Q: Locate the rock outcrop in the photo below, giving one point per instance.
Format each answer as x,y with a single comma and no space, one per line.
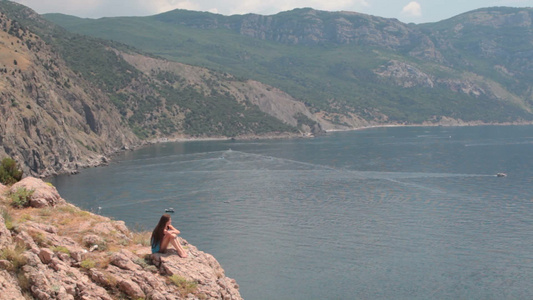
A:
52,255
53,120
43,194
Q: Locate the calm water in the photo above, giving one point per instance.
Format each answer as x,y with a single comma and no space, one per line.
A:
387,213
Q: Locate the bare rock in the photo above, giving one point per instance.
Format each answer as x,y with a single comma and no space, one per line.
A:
131,289
43,227
24,238
117,228
121,226
59,280
32,259
5,264
46,255
198,267
125,260
404,74
103,278
8,288
43,195
92,239
59,275
5,234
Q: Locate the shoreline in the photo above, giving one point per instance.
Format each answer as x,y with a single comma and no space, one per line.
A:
466,124
183,139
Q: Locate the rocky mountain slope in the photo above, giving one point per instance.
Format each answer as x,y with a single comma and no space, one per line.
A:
69,101
54,250
475,67
52,119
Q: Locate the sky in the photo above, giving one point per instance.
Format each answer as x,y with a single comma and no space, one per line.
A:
407,11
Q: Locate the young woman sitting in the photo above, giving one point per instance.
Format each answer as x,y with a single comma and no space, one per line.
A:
163,234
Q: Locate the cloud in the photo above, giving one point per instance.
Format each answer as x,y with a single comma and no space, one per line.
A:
412,9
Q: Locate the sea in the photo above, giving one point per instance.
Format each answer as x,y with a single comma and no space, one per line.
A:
381,213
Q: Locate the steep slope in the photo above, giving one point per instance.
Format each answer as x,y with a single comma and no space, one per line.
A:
52,120
70,99
496,43
345,65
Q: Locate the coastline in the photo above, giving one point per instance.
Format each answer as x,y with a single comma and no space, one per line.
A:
105,159
183,138
440,124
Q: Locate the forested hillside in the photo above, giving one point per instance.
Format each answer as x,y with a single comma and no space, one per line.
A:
346,65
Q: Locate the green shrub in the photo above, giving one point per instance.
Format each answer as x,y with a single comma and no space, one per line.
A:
15,256
9,171
62,249
8,221
21,197
88,264
185,286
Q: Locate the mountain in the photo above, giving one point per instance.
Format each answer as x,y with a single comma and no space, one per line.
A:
68,101
72,97
352,68
52,119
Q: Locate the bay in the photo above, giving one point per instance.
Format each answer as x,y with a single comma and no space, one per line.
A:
383,213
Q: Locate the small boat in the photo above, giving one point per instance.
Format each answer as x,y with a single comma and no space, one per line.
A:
501,175
170,209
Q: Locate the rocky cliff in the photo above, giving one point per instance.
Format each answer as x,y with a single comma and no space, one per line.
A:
50,249
52,120
69,101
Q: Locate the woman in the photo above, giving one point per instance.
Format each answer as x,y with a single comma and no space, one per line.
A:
163,234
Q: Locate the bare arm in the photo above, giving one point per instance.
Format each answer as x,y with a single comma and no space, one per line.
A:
172,230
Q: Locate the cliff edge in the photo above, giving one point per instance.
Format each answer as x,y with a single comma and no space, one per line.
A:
50,249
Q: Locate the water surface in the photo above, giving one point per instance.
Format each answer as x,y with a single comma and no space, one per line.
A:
385,213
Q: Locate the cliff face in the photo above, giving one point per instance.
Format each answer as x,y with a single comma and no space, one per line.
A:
57,251
52,119
69,101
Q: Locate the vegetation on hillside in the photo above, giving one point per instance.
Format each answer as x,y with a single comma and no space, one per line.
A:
150,106
10,172
338,77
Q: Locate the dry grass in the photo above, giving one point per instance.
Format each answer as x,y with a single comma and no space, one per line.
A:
17,51
38,238
141,238
185,286
74,223
15,256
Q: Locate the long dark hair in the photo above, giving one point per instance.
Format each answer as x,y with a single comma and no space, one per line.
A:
158,233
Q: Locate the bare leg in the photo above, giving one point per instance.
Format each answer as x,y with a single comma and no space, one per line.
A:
181,252
164,242
172,239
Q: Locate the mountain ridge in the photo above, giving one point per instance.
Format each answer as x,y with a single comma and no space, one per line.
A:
162,81
336,59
